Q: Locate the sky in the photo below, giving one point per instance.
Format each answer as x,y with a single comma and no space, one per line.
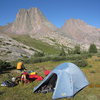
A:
56,11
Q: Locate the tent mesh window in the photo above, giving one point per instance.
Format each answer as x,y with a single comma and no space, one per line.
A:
48,85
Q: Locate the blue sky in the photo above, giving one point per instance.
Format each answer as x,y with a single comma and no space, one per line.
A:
56,11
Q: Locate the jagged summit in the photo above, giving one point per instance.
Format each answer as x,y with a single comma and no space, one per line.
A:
30,21
75,21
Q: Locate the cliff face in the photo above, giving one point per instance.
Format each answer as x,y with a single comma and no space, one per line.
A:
29,22
81,32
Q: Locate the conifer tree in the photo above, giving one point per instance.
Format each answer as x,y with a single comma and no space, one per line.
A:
92,48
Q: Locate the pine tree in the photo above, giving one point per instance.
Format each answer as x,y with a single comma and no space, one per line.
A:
77,49
92,48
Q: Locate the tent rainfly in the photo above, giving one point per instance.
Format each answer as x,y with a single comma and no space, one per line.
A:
64,81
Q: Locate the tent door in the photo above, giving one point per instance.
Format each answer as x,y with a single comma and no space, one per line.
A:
48,85
64,86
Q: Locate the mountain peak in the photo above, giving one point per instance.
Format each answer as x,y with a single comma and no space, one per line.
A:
30,21
81,31
75,21
33,9
29,10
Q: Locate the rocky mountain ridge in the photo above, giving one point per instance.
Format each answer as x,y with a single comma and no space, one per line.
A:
33,23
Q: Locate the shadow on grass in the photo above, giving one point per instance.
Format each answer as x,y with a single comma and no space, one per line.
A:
7,70
2,92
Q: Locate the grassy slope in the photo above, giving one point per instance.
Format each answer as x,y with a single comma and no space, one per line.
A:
48,49
24,92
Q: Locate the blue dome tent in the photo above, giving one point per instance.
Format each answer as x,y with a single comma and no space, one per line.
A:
64,81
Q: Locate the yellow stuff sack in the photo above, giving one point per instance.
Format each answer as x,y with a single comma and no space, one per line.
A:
33,73
19,65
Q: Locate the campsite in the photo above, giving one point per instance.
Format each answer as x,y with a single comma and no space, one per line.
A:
25,91
49,49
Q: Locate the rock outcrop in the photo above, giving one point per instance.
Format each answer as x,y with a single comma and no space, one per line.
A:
11,50
81,32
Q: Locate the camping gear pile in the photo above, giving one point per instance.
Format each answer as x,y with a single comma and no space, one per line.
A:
34,76
29,76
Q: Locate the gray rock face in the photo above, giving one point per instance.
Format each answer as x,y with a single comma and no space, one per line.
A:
29,22
11,50
81,32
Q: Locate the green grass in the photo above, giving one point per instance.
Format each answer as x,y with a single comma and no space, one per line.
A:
25,92
48,49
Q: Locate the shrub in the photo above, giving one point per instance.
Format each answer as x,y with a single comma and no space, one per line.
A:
92,48
43,59
77,49
73,57
97,59
4,65
40,59
62,53
98,55
89,66
39,54
92,71
87,55
59,58
56,58
37,59
81,63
